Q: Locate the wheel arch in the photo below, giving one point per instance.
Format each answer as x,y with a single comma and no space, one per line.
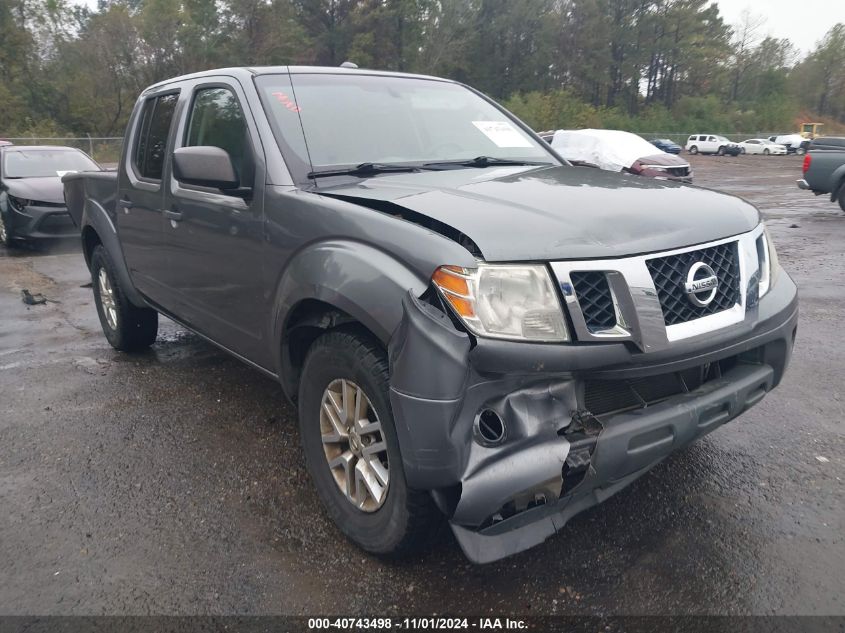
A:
90,240
98,229
333,285
837,182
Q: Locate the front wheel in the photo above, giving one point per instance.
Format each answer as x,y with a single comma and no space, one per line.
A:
351,448
693,150
742,151
766,152
721,151
5,233
127,327
841,197
800,151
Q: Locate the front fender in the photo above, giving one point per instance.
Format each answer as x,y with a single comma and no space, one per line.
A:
366,283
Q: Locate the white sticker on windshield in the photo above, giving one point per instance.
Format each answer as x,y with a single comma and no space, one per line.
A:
502,133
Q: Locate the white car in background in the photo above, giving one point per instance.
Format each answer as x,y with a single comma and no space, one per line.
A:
762,146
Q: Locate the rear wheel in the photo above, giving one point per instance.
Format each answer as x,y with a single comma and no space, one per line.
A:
351,449
127,327
800,151
742,151
841,197
693,150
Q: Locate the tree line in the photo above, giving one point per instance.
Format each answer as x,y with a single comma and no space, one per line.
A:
651,65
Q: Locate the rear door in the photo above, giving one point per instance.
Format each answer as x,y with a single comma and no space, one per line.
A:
141,196
214,238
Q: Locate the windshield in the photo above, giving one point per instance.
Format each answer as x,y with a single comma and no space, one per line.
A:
332,121
38,163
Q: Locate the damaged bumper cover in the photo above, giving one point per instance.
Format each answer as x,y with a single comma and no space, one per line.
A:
578,422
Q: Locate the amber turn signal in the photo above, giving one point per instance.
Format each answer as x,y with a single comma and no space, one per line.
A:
453,284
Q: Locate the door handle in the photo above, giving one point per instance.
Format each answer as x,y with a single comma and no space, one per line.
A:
174,215
126,204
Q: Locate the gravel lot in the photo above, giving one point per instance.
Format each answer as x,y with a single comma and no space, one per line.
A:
172,482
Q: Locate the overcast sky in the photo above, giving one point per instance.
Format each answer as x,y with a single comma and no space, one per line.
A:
803,21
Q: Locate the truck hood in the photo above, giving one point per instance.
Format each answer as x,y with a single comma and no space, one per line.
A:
557,213
45,189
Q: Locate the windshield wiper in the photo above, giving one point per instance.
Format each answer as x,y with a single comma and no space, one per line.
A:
364,169
485,161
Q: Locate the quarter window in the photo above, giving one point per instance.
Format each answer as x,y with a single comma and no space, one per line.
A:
217,120
153,132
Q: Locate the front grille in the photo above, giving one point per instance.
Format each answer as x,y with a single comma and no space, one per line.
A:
602,397
670,274
593,294
679,172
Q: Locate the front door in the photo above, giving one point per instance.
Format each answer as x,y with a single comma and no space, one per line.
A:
215,238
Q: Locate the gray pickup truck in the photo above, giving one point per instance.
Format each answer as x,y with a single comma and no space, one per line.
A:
468,325
824,169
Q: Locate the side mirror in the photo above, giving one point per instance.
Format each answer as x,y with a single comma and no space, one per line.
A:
205,166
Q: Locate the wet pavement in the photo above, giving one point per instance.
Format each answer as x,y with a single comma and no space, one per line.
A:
172,482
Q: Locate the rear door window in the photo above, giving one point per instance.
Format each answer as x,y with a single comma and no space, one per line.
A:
153,132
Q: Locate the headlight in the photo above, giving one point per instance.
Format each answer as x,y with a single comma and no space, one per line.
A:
768,261
504,301
18,204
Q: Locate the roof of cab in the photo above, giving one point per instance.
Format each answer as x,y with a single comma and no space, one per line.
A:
245,72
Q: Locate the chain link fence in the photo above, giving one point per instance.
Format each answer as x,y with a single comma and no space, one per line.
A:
105,150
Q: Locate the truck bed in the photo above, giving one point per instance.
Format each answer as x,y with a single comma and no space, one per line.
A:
98,187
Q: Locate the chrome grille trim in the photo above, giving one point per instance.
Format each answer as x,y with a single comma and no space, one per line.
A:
639,315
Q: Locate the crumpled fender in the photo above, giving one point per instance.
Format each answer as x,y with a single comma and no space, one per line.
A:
435,411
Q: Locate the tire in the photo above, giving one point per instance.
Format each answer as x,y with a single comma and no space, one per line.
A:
766,151
721,151
742,151
693,150
841,197
127,327
6,238
406,518
800,151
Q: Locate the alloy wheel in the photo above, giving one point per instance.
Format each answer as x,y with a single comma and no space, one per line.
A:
107,298
354,445
3,235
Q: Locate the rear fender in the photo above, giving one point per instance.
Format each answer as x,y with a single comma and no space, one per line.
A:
96,218
837,181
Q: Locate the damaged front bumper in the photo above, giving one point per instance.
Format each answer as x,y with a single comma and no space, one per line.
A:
579,422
